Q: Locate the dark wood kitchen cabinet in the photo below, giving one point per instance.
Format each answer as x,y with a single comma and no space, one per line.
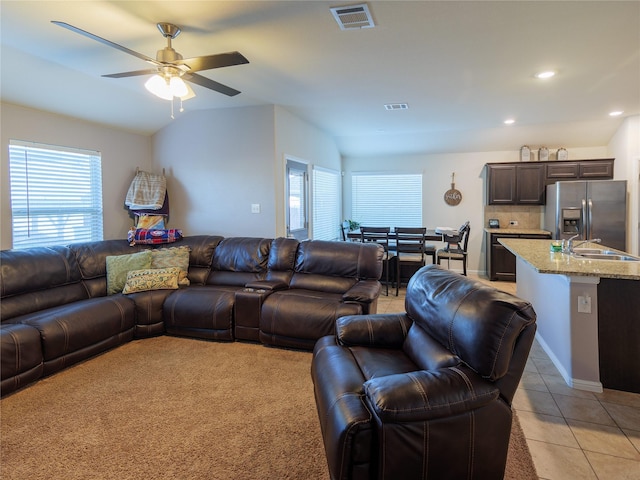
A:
601,169
516,184
524,183
501,263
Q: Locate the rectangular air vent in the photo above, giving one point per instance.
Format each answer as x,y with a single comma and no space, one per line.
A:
396,106
353,16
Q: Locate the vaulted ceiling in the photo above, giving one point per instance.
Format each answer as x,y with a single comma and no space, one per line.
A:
463,67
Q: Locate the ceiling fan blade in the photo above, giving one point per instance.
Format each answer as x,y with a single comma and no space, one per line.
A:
208,62
135,73
106,42
210,84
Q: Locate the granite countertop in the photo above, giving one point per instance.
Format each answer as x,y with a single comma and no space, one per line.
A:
518,231
537,254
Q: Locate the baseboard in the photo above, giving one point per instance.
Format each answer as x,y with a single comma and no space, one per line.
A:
576,383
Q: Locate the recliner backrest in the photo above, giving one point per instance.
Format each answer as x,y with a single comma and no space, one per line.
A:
473,320
238,261
335,266
38,278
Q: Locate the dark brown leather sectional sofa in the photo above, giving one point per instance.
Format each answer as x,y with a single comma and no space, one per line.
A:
55,310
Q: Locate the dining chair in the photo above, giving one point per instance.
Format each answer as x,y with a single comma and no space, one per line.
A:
379,235
456,248
410,249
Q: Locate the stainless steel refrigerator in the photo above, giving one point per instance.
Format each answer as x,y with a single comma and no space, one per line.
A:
591,209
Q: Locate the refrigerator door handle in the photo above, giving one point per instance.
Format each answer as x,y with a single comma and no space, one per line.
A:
585,221
590,219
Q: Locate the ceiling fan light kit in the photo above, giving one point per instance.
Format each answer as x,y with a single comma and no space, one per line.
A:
171,69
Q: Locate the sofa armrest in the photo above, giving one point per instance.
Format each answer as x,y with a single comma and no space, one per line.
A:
385,330
428,394
268,285
365,291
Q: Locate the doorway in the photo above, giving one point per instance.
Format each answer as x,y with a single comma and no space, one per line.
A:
297,200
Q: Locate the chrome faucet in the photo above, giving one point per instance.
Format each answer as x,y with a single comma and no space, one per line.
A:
568,246
593,240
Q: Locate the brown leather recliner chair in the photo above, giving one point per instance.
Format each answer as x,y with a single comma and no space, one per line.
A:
424,394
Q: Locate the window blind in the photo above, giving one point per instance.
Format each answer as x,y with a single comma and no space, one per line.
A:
56,194
326,204
386,200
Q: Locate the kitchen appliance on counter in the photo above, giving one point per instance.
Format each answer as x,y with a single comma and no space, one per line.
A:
589,209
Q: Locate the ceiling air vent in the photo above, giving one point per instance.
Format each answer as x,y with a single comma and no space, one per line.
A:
396,106
353,16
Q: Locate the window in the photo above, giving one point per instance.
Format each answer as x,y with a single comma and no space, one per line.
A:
386,199
297,200
326,204
56,194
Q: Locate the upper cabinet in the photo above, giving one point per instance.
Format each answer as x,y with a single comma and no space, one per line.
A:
516,183
524,183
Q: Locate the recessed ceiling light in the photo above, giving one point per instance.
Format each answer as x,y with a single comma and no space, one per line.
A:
509,121
547,74
617,113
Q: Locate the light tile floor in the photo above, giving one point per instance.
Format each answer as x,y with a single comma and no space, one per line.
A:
572,434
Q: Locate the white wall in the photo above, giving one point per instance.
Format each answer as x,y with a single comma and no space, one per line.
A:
304,142
625,147
121,153
218,163
437,169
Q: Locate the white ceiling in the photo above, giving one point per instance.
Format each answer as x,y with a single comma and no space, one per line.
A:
462,66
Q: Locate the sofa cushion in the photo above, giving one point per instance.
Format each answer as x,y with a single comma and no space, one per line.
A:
119,265
152,279
21,351
239,260
472,320
37,278
200,311
335,266
72,328
298,318
173,257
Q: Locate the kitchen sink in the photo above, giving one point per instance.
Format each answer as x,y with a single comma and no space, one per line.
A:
580,251
604,255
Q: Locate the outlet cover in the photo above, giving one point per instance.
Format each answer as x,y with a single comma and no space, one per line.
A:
255,208
584,304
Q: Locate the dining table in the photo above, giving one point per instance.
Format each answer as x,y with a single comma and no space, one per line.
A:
430,235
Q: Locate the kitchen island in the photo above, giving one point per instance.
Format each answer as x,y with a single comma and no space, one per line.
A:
588,313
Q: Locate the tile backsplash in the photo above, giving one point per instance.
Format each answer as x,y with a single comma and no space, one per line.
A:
527,216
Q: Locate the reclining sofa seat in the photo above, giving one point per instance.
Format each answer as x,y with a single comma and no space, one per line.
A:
50,320
424,394
207,311
329,280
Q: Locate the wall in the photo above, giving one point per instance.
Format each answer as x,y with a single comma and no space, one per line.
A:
218,163
625,148
469,179
304,142
121,153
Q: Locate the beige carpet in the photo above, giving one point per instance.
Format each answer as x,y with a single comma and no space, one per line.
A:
173,408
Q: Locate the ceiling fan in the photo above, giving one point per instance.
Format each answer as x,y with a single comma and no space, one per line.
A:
170,69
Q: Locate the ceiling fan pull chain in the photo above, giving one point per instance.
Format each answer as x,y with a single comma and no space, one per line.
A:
181,107
172,117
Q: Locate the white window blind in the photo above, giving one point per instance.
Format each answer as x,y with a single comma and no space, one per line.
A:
386,199
56,194
326,204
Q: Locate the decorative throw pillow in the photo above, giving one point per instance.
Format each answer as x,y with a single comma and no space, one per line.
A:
173,257
119,265
152,279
